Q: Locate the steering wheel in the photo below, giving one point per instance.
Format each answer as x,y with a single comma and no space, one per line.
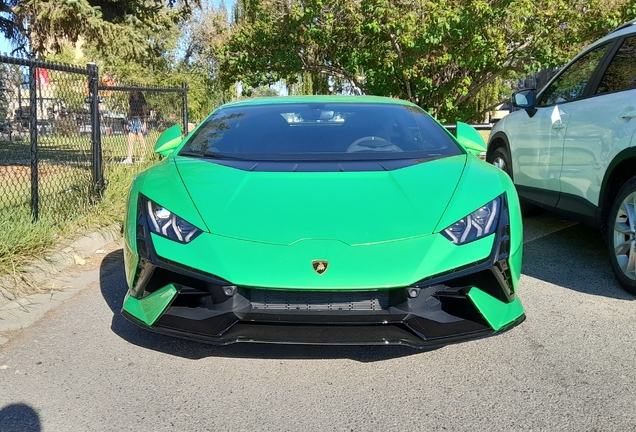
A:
372,143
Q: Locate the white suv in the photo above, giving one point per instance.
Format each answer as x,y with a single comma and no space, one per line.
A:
571,148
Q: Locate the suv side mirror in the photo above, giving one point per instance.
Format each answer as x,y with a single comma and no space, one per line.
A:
524,98
168,140
470,139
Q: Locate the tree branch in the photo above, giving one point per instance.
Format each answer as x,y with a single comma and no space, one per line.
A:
333,71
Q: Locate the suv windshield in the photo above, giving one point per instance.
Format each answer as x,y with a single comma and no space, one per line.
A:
320,131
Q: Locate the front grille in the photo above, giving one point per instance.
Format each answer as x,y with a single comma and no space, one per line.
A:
319,301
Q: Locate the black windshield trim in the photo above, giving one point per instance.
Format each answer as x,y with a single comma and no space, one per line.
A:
323,166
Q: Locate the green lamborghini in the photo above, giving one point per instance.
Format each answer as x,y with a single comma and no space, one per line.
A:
323,220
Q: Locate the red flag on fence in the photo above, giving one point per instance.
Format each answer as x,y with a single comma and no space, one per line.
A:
42,77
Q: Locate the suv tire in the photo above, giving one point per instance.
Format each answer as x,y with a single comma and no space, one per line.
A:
501,159
621,235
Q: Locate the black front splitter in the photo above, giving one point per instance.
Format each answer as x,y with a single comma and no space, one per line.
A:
322,334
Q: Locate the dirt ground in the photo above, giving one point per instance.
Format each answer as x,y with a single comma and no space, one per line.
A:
23,172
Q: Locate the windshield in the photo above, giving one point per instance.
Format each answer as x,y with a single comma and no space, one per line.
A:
320,131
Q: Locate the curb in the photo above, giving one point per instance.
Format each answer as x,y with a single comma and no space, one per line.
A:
42,269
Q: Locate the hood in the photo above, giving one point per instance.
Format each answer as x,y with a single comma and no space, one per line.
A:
352,207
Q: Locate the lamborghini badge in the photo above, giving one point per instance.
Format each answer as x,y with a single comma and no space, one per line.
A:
320,266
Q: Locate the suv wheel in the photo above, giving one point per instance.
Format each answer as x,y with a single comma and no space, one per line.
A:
621,230
501,160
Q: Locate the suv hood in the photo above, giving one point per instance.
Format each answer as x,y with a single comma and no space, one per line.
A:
352,207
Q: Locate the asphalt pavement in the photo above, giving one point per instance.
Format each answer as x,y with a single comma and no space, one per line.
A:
82,367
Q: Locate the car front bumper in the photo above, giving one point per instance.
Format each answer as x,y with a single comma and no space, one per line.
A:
438,316
466,302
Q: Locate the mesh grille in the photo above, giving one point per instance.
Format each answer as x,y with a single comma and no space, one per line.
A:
319,301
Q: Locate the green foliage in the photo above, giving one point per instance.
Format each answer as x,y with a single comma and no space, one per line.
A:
162,65
263,91
309,83
65,127
68,89
439,54
5,92
487,99
102,23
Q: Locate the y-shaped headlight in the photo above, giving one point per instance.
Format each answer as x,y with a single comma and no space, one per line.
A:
478,224
167,224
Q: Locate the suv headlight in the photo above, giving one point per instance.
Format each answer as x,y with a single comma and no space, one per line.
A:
478,224
163,222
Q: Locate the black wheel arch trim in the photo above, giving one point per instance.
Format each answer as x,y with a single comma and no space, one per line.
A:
624,155
500,135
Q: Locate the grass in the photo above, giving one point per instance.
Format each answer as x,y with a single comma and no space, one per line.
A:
485,134
66,209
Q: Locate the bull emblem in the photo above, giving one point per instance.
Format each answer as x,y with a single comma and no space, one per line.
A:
320,266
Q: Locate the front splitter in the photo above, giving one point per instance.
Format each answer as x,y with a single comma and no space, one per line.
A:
323,334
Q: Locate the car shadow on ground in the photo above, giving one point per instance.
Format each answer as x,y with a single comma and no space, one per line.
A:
575,257
113,288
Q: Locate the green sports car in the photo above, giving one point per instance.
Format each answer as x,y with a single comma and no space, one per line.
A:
323,220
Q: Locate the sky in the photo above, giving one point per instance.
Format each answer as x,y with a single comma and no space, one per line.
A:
5,47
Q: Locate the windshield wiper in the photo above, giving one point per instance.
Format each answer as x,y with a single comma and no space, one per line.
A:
209,154
215,155
193,154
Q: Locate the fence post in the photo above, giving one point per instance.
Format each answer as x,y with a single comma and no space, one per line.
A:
96,136
184,113
33,135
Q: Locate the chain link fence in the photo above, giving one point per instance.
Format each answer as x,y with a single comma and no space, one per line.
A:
57,139
44,163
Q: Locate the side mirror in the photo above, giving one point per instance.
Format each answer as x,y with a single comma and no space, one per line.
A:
524,98
470,139
169,140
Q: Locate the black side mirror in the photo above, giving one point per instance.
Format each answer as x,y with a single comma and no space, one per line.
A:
524,98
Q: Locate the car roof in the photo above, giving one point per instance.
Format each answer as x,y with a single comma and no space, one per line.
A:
628,24
281,100
626,29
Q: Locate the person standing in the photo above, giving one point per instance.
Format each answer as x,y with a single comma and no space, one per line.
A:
137,126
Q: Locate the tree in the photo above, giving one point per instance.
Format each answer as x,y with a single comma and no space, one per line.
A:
9,25
5,92
173,55
40,26
437,53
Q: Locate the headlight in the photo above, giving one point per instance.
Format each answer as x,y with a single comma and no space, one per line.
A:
167,224
478,224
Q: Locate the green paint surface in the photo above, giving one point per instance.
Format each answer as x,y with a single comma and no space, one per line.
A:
470,139
516,236
377,229
497,313
168,140
383,265
150,308
353,207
